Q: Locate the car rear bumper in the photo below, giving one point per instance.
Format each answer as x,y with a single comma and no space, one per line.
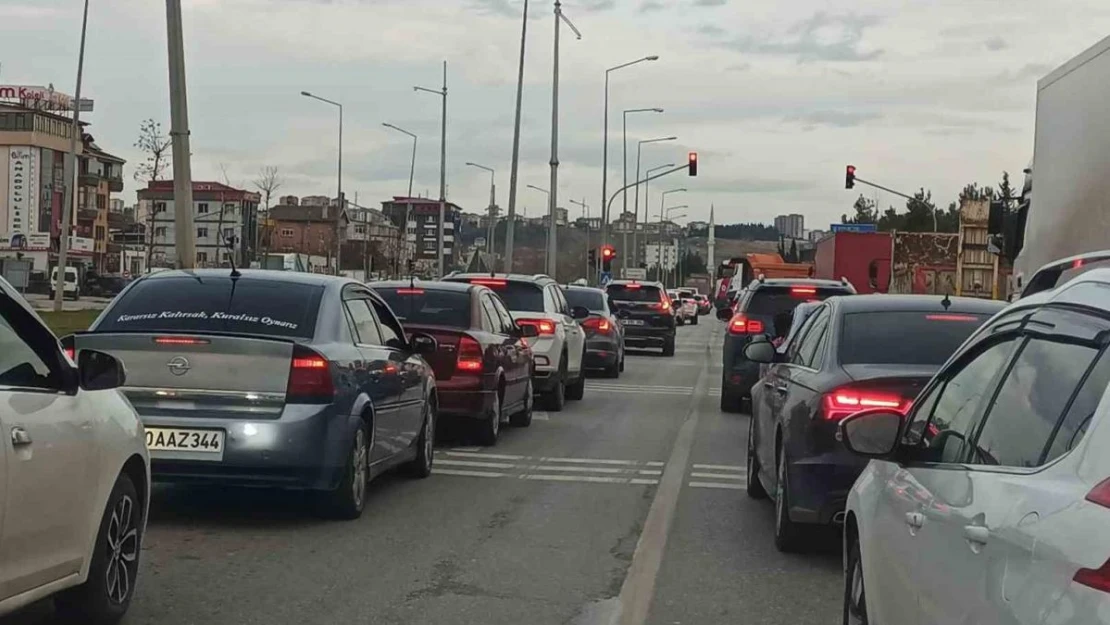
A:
819,485
601,352
647,336
470,404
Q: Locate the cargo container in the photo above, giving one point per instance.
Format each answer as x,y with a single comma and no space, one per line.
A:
861,257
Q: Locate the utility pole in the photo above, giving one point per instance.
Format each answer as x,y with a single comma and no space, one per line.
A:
552,201
511,223
184,233
442,169
70,168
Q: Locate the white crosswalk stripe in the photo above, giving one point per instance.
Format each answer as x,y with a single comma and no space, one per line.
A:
719,476
470,462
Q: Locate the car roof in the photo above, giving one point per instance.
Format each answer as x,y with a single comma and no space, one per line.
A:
297,277
576,287
434,285
512,277
658,285
915,303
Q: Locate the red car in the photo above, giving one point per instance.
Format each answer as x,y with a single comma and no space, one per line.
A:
483,366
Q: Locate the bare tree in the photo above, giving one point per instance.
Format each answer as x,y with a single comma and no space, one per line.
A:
229,242
156,145
268,182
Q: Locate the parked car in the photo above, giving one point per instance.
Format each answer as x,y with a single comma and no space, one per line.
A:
604,331
757,307
71,288
75,474
482,364
989,500
704,305
852,353
560,349
646,313
267,378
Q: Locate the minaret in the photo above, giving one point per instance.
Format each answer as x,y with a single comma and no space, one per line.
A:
710,262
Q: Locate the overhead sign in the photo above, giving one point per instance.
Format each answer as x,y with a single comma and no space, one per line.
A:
43,98
854,228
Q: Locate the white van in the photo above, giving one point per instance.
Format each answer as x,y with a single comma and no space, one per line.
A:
71,288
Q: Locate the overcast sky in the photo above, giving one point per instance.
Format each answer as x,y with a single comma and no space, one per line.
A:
777,97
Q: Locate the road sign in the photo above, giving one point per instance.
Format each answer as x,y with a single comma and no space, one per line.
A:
634,273
854,228
606,278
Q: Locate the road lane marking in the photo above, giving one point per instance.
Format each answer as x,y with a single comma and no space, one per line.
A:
563,459
716,485
465,449
587,478
540,415
721,467
475,464
717,476
589,461
483,456
462,473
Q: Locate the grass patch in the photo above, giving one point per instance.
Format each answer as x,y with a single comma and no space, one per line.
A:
69,321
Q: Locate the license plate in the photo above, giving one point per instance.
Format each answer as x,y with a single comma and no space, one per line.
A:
167,439
632,322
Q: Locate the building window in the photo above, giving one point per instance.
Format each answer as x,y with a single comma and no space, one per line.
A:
287,233
160,231
159,207
202,208
100,233
202,257
101,202
228,233
360,229
202,233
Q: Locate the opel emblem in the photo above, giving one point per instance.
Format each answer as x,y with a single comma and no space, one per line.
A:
179,365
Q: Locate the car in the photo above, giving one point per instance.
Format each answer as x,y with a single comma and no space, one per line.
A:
645,312
75,473
851,353
989,499
482,364
684,308
71,288
604,332
689,306
271,378
757,308
798,318
704,305
559,351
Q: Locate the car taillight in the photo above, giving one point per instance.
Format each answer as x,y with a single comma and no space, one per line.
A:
179,340
664,305
410,291
803,291
742,325
310,379
67,347
1099,578
470,355
543,326
843,403
490,282
71,353
597,324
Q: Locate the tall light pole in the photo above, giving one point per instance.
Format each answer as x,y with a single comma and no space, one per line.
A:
339,184
605,148
639,149
492,207
71,171
647,180
624,194
549,224
662,200
586,215
442,168
552,197
404,229
667,212
511,224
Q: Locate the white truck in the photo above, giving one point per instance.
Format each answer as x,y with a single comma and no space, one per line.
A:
1069,193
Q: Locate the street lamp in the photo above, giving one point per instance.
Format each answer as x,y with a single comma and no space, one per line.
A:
586,215
412,165
442,167
552,197
647,180
545,192
605,148
339,184
639,147
624,148
404,229
669,217
492,206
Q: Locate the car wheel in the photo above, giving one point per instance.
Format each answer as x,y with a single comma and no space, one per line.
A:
668,346
523,418
577,390
106,594
613,370
490,427
753,485
680,321
622,361
421,465
348,500
787,532
694,320
855,596
730,402
556,398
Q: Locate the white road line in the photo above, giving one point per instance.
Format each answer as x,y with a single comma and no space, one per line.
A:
547,459
477,465
586,479
540,415
482,456
638,387
466,449
656,464
716,485
721,467
466,473
590,461
718,476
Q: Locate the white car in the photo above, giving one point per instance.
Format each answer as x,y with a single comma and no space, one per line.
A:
559,349
990,501
74,474
685,307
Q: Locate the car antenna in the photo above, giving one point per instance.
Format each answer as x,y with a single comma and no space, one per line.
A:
412,281
946,302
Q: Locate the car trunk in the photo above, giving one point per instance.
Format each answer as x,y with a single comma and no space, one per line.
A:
906,381
199,375
445,358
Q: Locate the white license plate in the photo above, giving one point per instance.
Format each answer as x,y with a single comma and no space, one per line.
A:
172,439
633,322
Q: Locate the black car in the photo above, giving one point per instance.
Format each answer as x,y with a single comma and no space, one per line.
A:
852,353
604,332
645,312
760,307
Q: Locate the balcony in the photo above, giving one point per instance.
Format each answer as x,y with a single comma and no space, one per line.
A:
115,184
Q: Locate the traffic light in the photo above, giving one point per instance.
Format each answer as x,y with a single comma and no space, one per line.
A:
608,253
592,256
850,177
692,163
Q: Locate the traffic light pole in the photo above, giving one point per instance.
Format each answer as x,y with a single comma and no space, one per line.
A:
880,187
609,204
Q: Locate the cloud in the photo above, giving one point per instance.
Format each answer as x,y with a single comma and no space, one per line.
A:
594,6
996,43
738,67
839,119
504,8
711,30
651,6
710,3
822,37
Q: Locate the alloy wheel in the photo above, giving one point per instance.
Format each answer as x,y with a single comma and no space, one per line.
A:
429,436
123,551
358,468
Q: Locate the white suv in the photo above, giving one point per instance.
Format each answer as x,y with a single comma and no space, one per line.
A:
559,348
74,474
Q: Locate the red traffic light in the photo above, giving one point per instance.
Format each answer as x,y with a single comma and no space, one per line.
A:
850,177
692,163
607,252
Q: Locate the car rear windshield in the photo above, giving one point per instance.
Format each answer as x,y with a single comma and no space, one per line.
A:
217,304
774,300
904,338
634,293
588,299
429,306
518,296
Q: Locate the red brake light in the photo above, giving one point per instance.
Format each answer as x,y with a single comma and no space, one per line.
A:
489,282
410,291
543,326
803,290
632,286
1100,494
470,355
1099,578
179,340
71,353
1077,263
949,317
843,403
598,324
665,305
742,325
309,378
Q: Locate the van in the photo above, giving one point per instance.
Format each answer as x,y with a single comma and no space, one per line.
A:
71,288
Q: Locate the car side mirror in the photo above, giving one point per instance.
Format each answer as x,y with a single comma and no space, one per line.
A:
97,371
871,433
724,314
760,350
579,312
423,344
528,330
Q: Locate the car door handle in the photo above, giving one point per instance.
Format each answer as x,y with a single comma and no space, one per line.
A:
977,534
768,384
781,389
20,437
915,520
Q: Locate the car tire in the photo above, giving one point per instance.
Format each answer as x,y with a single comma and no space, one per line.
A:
694,320
622,361
523,418
681,321
348,500
556,398
752,484
668,346
490,427
787,532
577,390
421,466
100,601
855,595
730,401
613,370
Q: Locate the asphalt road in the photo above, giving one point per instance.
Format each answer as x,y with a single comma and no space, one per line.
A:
627,503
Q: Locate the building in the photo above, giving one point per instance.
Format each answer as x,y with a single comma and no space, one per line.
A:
220,214
420,217
816,235
370,234
791,226
561,217
308,229
99,176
